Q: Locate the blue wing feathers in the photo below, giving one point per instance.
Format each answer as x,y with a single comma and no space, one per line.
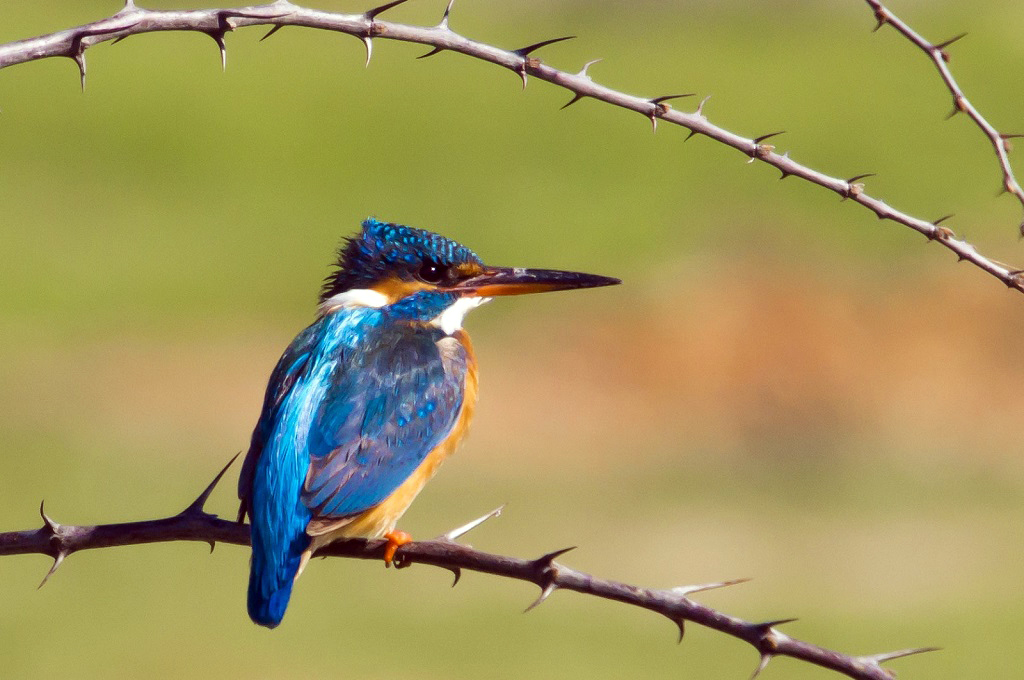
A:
352,408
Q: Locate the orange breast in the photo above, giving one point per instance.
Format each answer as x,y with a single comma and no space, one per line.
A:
382,518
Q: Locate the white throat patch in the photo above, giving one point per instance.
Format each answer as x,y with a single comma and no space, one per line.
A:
357,297
450,320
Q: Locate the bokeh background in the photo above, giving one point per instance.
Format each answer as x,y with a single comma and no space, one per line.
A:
784,388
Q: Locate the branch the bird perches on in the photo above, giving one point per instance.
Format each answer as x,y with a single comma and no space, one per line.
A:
131,20
195,524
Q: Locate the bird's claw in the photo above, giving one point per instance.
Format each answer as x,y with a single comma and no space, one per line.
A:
396,539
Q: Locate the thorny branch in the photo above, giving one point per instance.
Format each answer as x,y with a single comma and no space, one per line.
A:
131,20
195,524
940,57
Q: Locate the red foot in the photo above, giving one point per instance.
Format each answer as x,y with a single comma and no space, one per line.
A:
396,539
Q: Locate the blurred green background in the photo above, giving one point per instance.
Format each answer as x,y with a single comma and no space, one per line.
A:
785,388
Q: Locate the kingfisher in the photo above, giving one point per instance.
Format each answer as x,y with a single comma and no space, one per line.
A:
369,400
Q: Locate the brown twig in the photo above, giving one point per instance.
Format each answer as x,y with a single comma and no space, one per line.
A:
131,20
195,524
961,104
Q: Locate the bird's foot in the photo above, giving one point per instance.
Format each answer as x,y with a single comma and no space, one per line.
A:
396,539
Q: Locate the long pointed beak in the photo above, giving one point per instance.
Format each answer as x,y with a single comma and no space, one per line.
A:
518,281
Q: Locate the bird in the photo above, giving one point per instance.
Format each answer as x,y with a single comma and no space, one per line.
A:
368,400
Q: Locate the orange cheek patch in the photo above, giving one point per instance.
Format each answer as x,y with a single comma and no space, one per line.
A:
396,289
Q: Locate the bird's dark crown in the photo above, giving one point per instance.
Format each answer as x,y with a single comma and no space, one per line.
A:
383,251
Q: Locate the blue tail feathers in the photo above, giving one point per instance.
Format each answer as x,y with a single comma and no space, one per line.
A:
271,577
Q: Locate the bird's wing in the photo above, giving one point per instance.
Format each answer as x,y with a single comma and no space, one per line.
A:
289,368
386,409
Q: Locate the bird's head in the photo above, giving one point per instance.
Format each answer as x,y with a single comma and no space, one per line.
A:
420,276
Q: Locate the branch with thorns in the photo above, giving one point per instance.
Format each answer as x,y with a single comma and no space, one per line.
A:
939,56
132,20
194,523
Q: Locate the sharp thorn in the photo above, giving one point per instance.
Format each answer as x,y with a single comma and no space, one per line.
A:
857,177
658,100
758,140
943,45
525,51
218,37
761,665
544,593
700,107
57,561
80,60
272,31
876,659
682,629
766,626
118,39
882,17
522,72
431,53
376,11
469,526
368,41
54,527
692,133
550,557
654,120
458,575
447,13
942,219
575,98
196,507
583,71
1011,135
128,5
686,591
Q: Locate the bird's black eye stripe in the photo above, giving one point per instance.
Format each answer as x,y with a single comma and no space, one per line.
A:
432,272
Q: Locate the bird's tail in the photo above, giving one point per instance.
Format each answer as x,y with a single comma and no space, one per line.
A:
272,573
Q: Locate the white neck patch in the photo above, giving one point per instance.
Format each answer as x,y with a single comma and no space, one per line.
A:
450,320
357,297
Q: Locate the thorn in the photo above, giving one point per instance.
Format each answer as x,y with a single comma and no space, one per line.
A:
444,20
196,507
661,108
882,17
368,41
941,47
525,51
857,177
768,625
218,37
758,140
57,561
458,575
942,219
54,527
686,591
272,31
765,658
466,528
80,60
959,106
544,593
681,623
118,39
431,53
575,98
692,133
549,558
876,659
128,5
583,72
784,174
700,107
376,11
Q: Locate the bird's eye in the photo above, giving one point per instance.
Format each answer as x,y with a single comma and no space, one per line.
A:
432,272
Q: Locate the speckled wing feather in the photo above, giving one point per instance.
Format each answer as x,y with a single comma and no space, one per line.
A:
385,410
